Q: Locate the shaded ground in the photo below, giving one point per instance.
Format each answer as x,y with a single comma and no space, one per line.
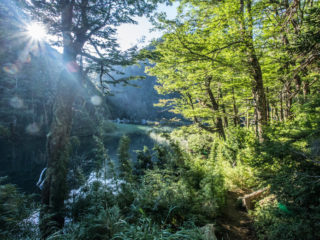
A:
234,223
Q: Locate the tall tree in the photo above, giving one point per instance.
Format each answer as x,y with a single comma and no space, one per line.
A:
187,74
85,29
200,59
236,42
246,27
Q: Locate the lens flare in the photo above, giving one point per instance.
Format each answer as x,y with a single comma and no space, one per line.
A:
96,100
72,67
16,102
32,128
11,68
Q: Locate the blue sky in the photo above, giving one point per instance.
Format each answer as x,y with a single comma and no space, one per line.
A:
130,34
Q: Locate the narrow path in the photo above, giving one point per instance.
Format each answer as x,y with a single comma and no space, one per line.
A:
234,223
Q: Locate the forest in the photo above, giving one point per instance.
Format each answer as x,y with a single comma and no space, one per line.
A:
209,132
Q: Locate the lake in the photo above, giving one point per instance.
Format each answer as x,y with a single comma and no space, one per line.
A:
23,161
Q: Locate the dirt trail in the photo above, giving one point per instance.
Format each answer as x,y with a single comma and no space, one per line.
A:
234,223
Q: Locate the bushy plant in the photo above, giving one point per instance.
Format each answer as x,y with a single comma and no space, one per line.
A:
99,213
275,221
145,229
144,161
125,164
232,158
15,207
99,226
164,197
161,153
185,187
91,198
292,169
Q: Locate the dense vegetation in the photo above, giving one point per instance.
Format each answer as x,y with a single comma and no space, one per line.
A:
252,64
245,74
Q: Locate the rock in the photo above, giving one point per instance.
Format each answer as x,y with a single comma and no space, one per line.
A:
209,232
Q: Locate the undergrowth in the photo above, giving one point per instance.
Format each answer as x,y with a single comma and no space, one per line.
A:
172,190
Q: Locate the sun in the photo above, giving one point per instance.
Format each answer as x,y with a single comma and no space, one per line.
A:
36,31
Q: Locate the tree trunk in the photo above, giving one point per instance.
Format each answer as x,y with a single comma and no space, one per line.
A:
55,190
223,107
306,90
281,107
256,121
248,115
219,125
288,100
195,118
268,106
276,113
215,107
255,70
236,119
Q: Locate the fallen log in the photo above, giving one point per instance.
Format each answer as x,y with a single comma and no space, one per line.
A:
247,200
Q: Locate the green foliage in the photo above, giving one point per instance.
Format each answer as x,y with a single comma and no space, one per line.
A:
146,230
307,42
162,204
156,208
183,187
273,223
101,155
91,199
232,158
14,208
161,154
125,165
198,144
288,162
208,62
164,197
144,161
290,165
100,226
4,132
109,225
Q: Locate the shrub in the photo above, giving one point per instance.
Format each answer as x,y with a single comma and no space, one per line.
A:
163,197
14,208
290,166
275,221
125,165
144,161
146,230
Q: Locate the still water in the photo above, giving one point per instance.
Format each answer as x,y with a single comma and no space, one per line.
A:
23,161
